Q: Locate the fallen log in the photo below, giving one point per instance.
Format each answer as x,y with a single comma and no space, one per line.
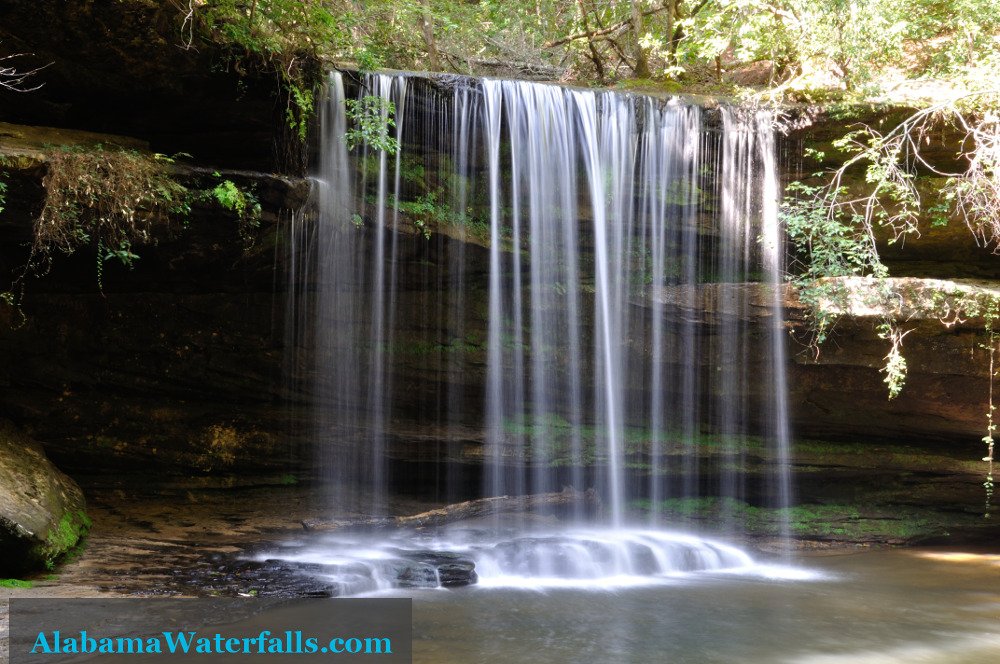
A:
561,501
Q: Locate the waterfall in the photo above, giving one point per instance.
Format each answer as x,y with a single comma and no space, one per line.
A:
550,286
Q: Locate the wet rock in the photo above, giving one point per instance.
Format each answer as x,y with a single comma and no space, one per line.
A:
458,574
409,574
269,578
450,570
233,575
42,510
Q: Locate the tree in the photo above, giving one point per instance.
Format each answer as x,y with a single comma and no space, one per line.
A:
641,66
427,28
800,44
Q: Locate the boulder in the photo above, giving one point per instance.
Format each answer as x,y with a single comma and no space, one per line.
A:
42,510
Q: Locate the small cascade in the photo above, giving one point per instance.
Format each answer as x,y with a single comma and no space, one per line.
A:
559,286
622,556
351,565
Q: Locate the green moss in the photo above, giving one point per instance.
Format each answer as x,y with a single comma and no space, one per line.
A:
560,437
872,454
823,448
69,533
651,86
15,583
836,521
421,348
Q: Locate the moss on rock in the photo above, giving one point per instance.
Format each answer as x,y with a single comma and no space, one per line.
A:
871,523
42,511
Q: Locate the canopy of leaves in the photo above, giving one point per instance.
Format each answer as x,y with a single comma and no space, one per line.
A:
793,44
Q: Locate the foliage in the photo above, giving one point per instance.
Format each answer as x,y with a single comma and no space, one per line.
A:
275,28
242,202
107,197
285,35
991,428
298,114
809,42
371,118
827,245
367,60
970,28
895,364
892,160
797,46
425,212
835,230
113,200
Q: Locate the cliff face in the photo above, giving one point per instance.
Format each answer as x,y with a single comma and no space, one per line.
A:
839,389
174,360
187,360
184,362
133,68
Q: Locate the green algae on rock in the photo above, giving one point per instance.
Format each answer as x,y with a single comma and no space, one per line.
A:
42,510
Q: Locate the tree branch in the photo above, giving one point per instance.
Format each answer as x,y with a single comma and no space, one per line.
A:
14,80
594,55
611,29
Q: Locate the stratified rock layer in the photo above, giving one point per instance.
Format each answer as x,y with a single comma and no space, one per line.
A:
182,363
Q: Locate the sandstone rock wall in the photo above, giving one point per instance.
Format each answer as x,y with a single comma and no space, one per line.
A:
187,360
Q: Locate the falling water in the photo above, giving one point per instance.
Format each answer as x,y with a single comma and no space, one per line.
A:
345,334
771,240
585,311
339,272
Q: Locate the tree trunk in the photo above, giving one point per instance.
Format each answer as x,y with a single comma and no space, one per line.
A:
427,28
595,57
641,67
671,6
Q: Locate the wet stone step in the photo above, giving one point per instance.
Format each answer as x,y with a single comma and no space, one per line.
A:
274,577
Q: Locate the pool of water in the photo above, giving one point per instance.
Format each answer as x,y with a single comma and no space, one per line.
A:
653,596
871,607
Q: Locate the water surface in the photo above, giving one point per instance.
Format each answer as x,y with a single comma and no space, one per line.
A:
883,606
